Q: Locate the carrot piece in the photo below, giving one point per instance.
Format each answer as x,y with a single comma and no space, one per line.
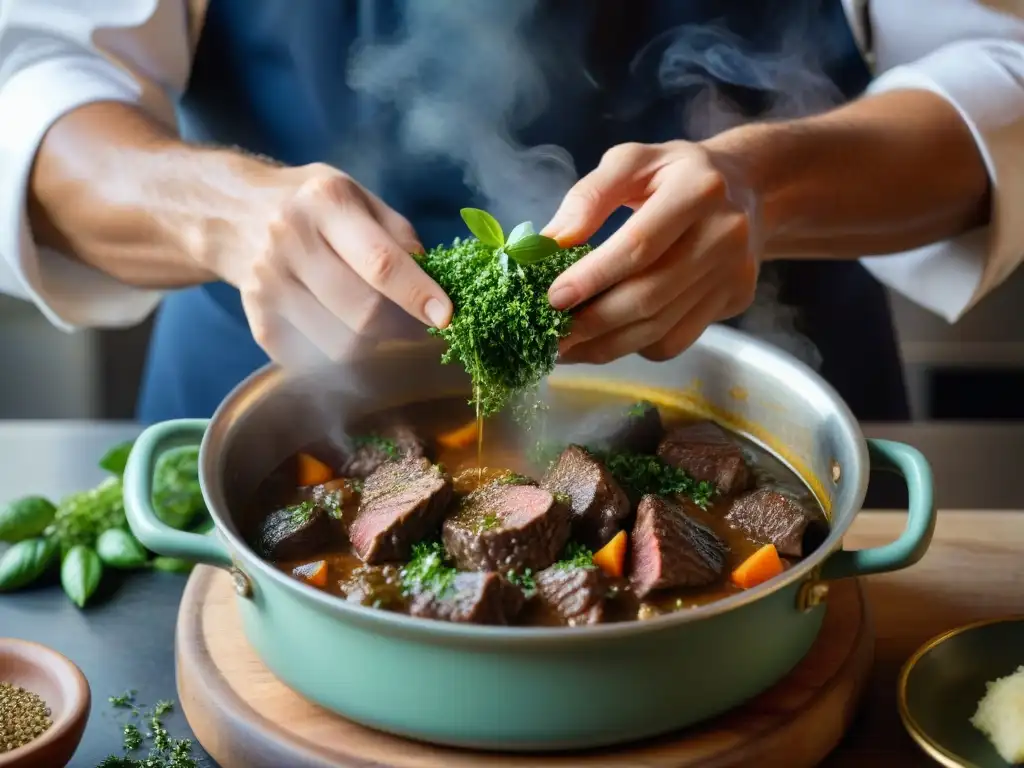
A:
758,568
312,471
611,558
461,437
312,573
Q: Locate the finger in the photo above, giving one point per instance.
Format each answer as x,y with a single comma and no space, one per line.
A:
382,263
645,236
394,223
690,328
643,333
638,298
616,180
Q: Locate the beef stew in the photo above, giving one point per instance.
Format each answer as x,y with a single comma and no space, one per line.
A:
639,511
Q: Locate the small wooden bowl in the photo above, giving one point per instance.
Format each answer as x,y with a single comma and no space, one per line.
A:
58,682
941,684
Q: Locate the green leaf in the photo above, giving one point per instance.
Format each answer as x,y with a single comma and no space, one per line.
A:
172,564
80,574
531,249
25,518
115,460
521,231
177,495
25,562
119,549
484,227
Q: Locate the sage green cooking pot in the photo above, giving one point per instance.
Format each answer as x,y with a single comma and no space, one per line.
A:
522,688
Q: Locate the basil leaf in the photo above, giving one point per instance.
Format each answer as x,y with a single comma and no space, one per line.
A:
531,249
25,518
172,564
25,562
80,573
115,460
521,231
119,549
484,227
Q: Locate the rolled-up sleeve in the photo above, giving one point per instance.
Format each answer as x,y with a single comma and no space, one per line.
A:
972,54
56,56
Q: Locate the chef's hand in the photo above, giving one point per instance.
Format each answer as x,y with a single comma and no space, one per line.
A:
684,259
323,256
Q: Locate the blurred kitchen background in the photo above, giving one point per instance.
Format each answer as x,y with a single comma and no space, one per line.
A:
973,370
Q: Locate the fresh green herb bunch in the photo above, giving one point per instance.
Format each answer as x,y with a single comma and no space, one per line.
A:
504,330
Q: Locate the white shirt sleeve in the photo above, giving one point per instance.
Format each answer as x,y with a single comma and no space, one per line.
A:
55,56
971,52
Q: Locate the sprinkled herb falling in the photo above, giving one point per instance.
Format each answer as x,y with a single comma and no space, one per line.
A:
504,330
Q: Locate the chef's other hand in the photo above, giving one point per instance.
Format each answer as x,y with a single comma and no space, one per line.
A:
684,259
325,256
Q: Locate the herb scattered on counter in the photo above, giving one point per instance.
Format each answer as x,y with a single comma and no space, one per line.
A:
88,530
164,751
576,556
427,569
524,581
504,330
24,717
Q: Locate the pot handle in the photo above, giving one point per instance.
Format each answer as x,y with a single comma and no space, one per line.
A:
913,542
154,534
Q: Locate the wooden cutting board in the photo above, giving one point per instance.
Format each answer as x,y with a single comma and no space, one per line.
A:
243,716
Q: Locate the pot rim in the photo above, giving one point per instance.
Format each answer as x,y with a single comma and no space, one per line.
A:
714,336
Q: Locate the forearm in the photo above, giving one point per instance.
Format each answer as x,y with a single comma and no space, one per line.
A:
116,190
883,174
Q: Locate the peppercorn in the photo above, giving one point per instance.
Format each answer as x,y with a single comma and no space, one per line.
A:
23,717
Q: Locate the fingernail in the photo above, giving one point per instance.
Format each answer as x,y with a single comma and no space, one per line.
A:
562,297
437,312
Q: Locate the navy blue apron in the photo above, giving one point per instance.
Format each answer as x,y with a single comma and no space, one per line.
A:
269,76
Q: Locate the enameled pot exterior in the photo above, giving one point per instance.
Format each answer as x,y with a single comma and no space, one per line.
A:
517,688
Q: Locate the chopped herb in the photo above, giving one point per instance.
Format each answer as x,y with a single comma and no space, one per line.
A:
576,556
301,512
489,522
639,408
164,752
524,581
504,330
639,474
564,499
357,486
385,445
514,478
132,737
427,569
124,701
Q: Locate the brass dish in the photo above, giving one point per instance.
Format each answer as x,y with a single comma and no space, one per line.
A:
941,684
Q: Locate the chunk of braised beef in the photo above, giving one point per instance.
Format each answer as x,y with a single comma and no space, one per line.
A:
402,503
770,517
472,597
293,532
634,429
707,452
671,549
376,586
597,502
575,594
390,444
503,527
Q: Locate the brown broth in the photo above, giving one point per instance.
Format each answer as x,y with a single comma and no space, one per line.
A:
506,448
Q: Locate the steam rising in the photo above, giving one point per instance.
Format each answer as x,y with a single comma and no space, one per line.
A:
463,79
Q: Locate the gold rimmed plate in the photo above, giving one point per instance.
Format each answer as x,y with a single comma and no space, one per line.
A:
941,684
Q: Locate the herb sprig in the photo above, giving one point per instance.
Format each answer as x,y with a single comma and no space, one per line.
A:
504,330
164,751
